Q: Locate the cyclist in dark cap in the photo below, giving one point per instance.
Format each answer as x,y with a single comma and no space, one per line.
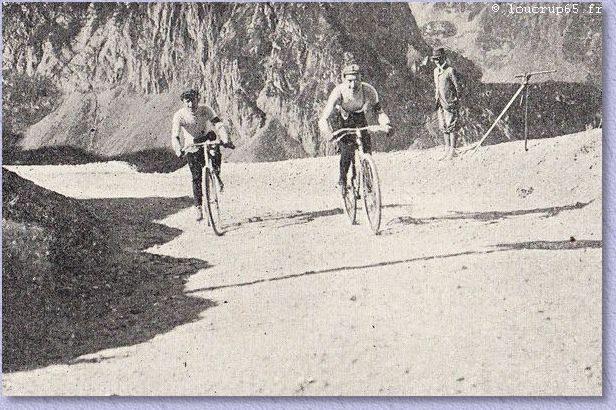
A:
194,121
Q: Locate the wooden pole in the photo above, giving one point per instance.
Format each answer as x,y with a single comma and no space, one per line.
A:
498,118
526,92
526,78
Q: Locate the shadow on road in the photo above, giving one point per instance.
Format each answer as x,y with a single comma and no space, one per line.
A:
497,215
488,216
281,220
76,279
571,244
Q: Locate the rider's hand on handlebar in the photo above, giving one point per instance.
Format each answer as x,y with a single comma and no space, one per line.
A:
229,145
379,128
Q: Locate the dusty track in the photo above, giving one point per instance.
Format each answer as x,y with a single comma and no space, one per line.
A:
486,280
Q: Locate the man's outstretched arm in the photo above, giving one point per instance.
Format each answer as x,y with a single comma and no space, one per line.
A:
222,131
175,136
219,127
327,112
382,118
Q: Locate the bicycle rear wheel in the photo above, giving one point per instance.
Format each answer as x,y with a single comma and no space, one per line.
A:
210,201
372,192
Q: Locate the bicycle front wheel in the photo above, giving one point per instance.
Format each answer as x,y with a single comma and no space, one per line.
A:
372,192
210,201
350,202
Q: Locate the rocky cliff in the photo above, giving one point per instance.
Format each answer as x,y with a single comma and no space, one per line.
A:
516,38
114,73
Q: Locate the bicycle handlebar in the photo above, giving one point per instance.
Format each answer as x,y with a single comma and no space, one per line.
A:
208,143
345,131
202,144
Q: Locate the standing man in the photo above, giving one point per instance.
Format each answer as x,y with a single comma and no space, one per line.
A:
350,100
197,121
447,100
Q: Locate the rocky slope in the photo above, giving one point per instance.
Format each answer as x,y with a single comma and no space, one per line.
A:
117,69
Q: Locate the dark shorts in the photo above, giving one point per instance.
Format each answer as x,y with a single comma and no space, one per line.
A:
196,162
353,120
347,144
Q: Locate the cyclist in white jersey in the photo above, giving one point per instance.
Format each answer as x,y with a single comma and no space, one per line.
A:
350,101
197,121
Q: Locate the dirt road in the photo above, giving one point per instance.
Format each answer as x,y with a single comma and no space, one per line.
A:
486,280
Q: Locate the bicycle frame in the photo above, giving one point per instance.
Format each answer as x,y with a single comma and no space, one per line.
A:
343,132
212,214
208,144
359,182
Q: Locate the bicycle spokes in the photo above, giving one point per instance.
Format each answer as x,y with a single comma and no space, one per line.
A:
349,199
213,206
368,181
372,193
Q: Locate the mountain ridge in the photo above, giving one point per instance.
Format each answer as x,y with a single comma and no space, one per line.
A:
119,69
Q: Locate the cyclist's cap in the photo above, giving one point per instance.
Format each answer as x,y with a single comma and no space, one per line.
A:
352,69
189,95
437,53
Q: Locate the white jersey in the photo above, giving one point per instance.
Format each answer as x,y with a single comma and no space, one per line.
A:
365,98
189,125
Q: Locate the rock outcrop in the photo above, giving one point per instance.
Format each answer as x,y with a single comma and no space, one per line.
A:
516,38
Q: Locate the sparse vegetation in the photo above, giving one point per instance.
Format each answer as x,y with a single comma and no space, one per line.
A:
26,100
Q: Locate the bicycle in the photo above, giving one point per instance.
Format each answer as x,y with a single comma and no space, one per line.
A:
210,182
363,166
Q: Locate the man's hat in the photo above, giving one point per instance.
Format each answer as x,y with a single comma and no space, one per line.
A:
438,53
351,69
189,95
